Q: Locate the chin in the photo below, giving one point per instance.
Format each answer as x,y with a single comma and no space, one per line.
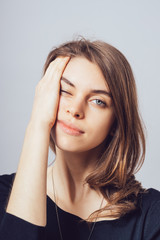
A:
66,142
74,147
69,146
74,144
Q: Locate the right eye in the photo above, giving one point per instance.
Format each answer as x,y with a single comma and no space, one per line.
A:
63,91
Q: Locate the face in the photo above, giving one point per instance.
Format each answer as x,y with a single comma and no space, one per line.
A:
85,113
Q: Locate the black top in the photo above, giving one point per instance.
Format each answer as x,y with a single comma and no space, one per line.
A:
141,224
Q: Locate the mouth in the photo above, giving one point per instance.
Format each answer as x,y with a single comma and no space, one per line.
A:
69,128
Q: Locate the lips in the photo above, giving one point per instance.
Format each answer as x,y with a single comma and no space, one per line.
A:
70,128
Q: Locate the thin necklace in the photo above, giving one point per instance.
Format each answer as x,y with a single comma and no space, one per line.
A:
58,220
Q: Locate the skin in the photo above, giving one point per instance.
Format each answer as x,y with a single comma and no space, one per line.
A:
76,155
74,159
28,196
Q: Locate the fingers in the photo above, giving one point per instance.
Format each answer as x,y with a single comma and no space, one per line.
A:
47,93
55,69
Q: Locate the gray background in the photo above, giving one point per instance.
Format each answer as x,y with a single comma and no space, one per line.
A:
29,29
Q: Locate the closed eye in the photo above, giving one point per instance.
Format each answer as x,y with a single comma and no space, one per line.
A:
64,91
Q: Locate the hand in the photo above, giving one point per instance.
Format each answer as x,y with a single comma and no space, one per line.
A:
47,93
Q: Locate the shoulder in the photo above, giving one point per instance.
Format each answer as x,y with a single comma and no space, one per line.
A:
149,201
6,182
150,209
150,197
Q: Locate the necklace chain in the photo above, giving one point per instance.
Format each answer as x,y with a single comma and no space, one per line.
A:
58,220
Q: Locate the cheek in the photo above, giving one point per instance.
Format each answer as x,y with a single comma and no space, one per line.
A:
102,126
62,105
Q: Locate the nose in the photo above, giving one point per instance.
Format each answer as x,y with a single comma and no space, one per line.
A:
76,110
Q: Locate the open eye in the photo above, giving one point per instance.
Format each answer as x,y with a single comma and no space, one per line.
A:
100,103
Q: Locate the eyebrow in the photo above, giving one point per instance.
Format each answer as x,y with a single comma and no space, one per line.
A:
92,91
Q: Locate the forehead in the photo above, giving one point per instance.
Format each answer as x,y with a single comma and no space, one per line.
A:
83,73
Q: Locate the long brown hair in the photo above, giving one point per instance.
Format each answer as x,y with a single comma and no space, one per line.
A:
124,150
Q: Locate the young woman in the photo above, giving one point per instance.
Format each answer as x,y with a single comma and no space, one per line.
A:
86,110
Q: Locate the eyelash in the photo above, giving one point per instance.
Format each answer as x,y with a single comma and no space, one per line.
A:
64,91
103,104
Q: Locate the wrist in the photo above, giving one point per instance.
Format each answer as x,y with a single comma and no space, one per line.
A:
40,126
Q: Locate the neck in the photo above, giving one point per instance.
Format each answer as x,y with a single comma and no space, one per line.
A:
70,171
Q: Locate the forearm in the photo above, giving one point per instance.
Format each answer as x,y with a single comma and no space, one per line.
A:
28,195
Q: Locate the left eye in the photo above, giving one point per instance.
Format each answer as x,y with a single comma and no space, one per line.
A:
100,102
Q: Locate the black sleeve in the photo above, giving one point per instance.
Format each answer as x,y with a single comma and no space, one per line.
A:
152,226
11,226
